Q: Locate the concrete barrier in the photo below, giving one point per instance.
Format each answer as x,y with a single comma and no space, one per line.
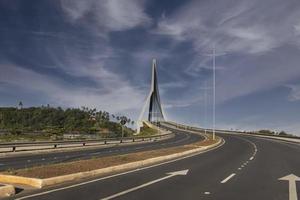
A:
40,183
295,140
10,179
7,191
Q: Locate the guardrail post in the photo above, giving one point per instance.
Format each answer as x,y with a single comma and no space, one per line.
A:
132,139
83,144
55,146
14,149
143,139
105,142
121,141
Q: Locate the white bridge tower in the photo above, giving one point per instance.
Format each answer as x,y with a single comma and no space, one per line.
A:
156,113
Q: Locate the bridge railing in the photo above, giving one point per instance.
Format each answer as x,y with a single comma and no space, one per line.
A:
233,132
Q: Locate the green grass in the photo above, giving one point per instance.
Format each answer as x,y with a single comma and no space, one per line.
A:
146,131
24,137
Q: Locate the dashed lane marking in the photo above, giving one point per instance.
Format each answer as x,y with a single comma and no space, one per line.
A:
228,178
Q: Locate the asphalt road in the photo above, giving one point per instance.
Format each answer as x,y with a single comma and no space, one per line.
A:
24,161
244,167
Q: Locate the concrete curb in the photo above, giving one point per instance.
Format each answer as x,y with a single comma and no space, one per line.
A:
7,191
10,179
40,183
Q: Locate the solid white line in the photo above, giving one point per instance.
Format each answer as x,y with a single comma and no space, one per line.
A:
116,175
136,188
229,177
183,172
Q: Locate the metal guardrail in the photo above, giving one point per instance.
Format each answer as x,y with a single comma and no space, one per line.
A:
64,144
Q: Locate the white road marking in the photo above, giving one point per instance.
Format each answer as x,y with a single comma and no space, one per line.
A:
292,185
229,177
239,168
206,192
170,175
116,175
251,158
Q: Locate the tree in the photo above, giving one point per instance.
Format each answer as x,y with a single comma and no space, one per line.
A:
57,120
282,133
20,104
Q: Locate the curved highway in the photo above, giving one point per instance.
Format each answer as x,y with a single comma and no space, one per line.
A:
24,161
244,167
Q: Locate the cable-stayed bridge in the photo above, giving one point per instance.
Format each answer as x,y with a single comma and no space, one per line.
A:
153,102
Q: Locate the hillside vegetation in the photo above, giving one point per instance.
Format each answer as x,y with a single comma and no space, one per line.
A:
49,122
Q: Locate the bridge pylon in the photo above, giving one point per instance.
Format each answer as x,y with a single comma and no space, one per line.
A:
155,111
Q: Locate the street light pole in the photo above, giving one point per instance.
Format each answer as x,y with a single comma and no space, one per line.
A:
214,91
205,99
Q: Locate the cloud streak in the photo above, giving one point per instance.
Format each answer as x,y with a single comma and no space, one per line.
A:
122,96
109,15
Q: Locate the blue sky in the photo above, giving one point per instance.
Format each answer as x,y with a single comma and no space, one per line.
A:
98,53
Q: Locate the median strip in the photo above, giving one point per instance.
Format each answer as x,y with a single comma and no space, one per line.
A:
58,173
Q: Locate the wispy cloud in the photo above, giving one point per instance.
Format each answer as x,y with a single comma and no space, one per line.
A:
98,53
109,15
294,92
111,92
244,29
237,27
183,103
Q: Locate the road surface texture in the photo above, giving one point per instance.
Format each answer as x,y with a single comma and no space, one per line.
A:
23,161
244,167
